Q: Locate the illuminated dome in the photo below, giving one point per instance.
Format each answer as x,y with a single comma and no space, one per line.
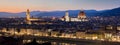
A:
81,15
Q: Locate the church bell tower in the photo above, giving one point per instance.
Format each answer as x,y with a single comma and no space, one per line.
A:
67,18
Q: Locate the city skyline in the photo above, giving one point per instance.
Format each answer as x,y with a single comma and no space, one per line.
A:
59,22
52,5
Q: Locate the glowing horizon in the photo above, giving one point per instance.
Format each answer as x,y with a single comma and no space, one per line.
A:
51,5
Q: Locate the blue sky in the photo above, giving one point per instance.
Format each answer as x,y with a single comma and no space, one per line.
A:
50,5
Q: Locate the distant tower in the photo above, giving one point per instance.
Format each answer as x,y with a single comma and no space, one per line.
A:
81,15
67,18
28,15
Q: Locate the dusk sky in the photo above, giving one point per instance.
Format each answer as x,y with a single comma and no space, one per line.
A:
51,5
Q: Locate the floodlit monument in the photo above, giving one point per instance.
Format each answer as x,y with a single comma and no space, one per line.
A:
81,17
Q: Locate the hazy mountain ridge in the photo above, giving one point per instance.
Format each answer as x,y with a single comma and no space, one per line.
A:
110,12
20,14
72,13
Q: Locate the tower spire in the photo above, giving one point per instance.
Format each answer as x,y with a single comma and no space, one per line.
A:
81,9
28,15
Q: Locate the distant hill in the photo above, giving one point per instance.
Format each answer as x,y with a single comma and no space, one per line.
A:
62,13
21,14
112,12
73,13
